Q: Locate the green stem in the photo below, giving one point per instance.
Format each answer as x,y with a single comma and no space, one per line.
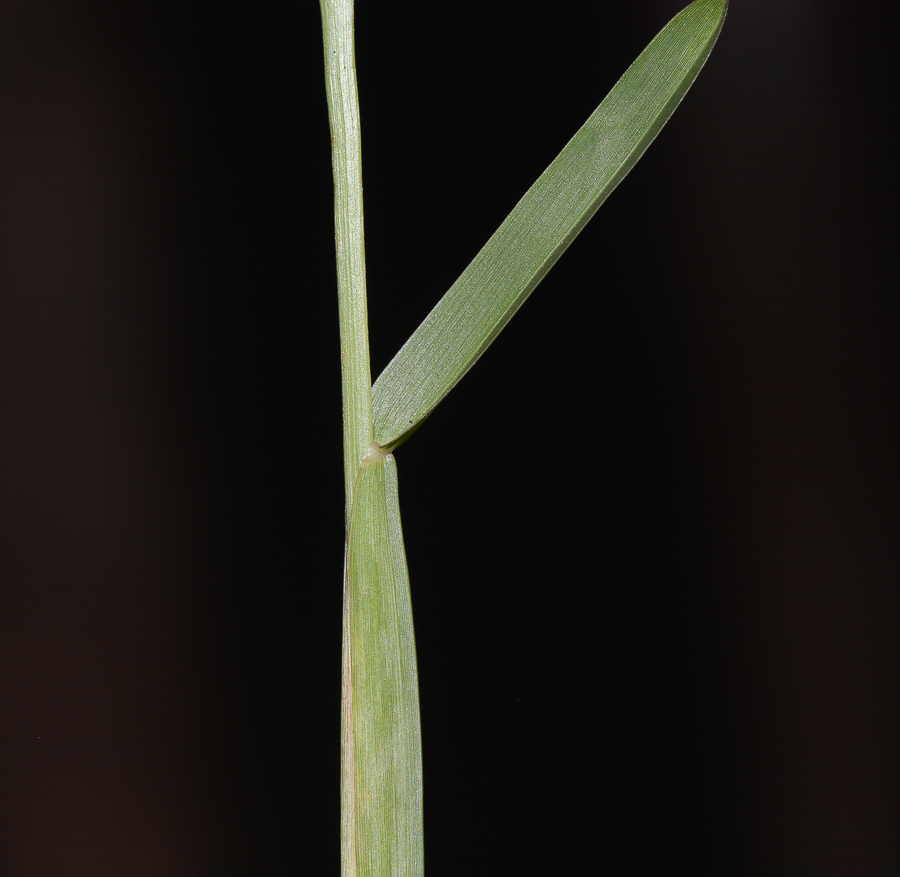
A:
343,112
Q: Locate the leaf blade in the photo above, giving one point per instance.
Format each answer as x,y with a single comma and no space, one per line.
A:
381,756
543,224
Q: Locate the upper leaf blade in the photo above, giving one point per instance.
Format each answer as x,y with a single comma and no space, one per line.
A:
543,224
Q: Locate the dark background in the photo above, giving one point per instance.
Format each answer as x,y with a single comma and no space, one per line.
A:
652,537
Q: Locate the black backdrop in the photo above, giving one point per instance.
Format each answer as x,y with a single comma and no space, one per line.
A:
652,536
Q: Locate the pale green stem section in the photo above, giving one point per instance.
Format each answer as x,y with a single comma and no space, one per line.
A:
381,757
343,111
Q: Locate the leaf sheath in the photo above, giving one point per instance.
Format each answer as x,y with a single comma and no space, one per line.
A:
381,776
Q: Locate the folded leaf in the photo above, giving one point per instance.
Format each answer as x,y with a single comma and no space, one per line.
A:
381,760
543,224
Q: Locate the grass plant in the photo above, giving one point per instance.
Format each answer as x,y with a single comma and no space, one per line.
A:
381,763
